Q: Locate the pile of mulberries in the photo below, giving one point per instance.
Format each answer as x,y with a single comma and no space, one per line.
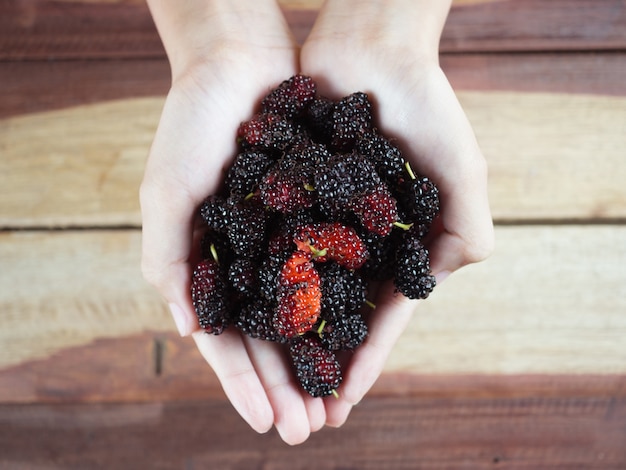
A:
316,205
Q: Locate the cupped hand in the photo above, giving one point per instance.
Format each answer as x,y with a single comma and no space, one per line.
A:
194,142
378,51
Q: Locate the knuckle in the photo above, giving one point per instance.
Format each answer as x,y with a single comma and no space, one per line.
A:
480,249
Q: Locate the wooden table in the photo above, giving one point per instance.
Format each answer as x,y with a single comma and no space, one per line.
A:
516,362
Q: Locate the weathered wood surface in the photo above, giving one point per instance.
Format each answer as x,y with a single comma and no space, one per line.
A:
47,29
549,301
518,362
383,433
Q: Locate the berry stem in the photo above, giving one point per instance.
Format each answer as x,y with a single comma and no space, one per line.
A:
403,226
370,304
321,327
409,170
309,187
213,251
318,253
335,394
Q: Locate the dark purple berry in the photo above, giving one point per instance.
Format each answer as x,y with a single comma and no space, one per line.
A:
209,294
351,119
246,173
317,368
344,333
413,277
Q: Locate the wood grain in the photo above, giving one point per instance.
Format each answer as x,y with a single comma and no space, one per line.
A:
75,83
527,25
49,29
549,301
76,167
517,362
399,433
82,166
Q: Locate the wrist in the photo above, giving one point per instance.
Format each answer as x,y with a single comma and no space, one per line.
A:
394,24
195,31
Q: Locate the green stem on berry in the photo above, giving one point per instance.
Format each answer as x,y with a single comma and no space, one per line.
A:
321,327
213,251
403,226
249,196
309,187
370,304
318,253
335,394
409,170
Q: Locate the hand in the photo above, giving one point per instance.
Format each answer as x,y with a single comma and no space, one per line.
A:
223,61
390,51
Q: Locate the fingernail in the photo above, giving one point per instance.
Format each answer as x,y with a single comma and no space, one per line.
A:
181,319
442,276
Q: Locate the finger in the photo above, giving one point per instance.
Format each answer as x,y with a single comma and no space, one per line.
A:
316,411
287,402
228,357
337,411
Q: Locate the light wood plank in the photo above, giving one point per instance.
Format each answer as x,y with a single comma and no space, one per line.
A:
63,289
551,157
550,300
77,166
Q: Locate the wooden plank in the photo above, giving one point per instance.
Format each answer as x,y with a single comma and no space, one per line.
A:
514,25
35,86
590,73
80,82
49,29
76,167
543,148
82,166
399,433
79,323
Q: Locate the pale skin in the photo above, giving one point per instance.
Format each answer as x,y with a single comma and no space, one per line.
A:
224,56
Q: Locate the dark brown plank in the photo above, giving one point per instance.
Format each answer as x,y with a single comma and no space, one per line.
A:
382,433
591,73
33,86
45,29
52,29
537,25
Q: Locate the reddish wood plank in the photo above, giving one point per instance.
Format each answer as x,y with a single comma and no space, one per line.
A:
381,433
34,86
539,25
49,29
44,29
587,73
